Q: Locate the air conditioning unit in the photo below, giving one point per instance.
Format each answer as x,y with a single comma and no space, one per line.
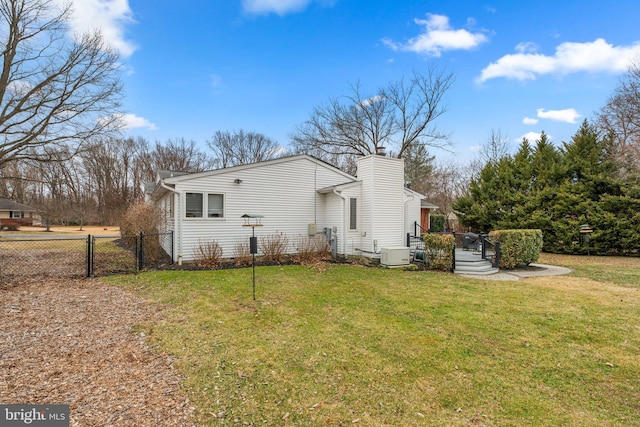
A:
395,256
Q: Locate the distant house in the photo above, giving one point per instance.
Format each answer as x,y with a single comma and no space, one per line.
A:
14,214
299,196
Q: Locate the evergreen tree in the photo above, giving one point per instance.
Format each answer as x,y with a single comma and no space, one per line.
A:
557,191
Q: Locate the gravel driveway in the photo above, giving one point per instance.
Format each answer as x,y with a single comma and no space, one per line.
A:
73,341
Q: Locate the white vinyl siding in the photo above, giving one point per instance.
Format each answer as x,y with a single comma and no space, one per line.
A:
412,211
383,215
283,191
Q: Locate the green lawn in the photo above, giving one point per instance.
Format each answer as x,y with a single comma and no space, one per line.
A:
348,345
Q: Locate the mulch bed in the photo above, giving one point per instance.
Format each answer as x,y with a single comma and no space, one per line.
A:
74,341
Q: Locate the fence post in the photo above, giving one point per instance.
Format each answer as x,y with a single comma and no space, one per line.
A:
141,253
453,264
497,256
89,256
484,244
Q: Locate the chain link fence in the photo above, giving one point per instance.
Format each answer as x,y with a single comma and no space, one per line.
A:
31,258
86,256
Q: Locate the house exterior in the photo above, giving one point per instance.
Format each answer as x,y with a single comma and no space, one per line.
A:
14,214
425,215
299,196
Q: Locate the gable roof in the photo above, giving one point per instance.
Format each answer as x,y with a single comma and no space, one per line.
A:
10,205
189,176
163,178
411,192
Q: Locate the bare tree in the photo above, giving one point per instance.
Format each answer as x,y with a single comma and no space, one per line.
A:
241,148
177,154
448,182
54,91
396,117
109,169
495,148
620,117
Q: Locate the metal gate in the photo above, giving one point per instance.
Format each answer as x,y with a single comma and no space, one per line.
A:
83,256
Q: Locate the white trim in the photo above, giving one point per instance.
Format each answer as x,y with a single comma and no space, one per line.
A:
205,206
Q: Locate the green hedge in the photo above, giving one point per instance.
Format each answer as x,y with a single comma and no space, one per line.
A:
517,247
438,250
436,222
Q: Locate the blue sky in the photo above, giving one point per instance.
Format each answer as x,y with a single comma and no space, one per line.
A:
193,67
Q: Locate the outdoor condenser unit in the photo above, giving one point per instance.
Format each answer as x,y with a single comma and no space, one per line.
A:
394,256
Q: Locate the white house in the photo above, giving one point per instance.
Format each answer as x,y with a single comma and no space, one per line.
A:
298,196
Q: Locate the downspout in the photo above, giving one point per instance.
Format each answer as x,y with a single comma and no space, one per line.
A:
176,218
342,228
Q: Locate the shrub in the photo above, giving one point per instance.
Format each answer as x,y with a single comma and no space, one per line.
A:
438,250
208,253
142,218
241,252
274,247
517,247
312,249
437,223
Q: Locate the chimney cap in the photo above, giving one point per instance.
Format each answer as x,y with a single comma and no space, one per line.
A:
381,151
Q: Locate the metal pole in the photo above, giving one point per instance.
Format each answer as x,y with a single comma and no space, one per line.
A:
141,256
253,263
88,255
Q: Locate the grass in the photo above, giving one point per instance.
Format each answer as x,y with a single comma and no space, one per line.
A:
350,345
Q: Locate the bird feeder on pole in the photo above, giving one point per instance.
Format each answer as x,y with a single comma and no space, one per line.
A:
585,230
253,221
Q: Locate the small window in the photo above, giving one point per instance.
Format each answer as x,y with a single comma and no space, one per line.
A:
215,206
17,214
353,213
194,202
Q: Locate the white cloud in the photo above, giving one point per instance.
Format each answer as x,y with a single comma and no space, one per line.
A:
530,121
596,56
475,148
131,121
279,7
109,16
437,37
370,101
570,115
19,87
532,137
526,47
